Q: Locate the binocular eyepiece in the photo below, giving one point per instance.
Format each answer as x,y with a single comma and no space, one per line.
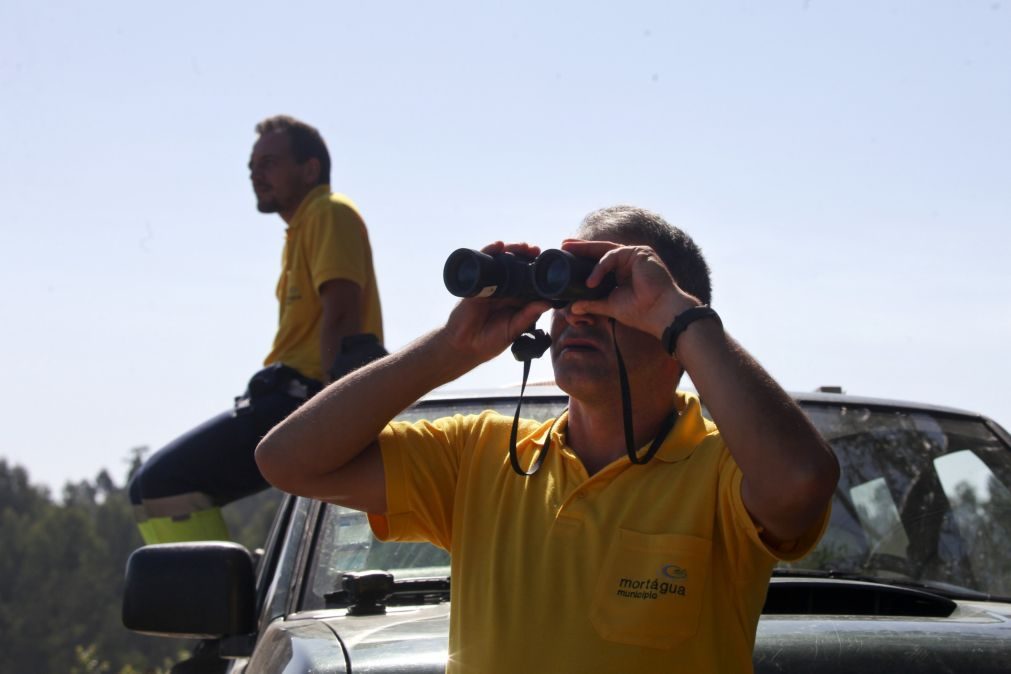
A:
555,275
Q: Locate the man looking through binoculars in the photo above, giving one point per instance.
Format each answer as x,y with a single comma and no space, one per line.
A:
592,563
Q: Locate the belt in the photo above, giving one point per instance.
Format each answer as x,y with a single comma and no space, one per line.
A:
276,379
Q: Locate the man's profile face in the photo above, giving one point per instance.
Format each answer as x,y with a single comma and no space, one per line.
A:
279,182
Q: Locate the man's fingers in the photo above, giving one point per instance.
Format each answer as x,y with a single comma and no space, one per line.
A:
531,312
612,261
522,249
492,248
594,249
525,317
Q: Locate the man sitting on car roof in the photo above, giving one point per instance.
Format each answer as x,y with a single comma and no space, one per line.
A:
601,560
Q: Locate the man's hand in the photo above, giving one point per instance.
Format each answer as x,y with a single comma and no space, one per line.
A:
789,470
481,328
646,297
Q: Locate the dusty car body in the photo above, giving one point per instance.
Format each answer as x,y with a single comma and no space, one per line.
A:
913,574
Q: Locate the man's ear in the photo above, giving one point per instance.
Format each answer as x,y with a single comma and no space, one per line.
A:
310,171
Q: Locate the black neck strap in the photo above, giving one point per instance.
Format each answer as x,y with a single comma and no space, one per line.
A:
626,413
526,348
513,458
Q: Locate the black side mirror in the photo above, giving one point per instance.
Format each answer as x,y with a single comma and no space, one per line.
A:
199,590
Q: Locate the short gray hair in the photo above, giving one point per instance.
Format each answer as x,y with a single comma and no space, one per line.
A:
632,225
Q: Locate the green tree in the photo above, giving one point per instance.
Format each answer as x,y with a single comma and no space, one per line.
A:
62,574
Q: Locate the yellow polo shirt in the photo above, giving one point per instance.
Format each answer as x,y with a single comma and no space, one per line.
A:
325,240
655,568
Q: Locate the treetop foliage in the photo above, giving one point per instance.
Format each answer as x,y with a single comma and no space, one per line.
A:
62,573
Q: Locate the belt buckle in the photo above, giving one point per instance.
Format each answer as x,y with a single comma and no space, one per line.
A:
297,389
243,405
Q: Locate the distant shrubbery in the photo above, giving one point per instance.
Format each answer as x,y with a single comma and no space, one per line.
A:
61,575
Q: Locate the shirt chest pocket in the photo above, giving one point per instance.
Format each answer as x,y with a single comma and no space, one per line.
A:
650,589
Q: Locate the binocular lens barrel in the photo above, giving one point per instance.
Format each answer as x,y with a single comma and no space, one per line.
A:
559,275
471,273
462,272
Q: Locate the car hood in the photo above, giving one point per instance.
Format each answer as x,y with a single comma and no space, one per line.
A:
976,637
405,641
409,640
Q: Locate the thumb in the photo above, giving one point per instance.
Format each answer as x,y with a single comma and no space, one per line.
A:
526,317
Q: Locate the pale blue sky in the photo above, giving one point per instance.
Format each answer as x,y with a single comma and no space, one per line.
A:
845,166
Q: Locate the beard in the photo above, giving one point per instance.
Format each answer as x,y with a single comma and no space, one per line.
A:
267,205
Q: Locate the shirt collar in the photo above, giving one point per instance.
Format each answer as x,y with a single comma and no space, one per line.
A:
689,430
314,193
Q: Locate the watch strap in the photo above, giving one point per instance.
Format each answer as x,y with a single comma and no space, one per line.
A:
669,339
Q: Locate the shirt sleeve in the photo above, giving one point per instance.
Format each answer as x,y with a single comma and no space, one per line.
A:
744,534
422,464
336,244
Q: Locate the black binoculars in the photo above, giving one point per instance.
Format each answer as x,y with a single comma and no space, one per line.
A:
555,275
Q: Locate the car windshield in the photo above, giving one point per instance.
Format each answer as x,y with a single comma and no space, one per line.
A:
924,497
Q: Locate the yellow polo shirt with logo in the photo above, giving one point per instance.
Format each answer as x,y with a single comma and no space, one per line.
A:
325,240
654,568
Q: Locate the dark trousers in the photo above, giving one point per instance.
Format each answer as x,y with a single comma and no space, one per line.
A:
216,458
